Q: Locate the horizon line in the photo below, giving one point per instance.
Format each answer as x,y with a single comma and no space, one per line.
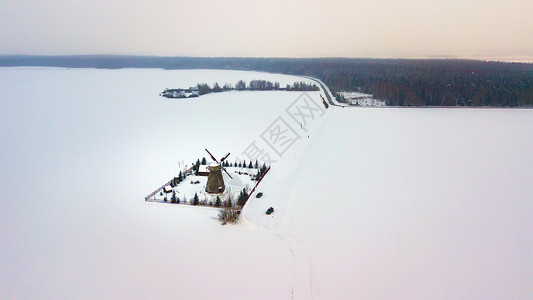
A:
495,58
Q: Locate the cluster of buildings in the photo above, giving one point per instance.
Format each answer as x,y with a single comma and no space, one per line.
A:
181,93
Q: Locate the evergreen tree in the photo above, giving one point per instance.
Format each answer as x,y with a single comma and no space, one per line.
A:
173,198
197,167
218,202
195,199
256,164
204,161
203,88
217,88
250,165
243,197
240,86
180,177
227,87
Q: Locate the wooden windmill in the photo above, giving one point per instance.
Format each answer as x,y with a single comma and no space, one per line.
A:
215,181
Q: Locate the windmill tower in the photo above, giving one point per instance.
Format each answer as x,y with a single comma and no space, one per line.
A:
215,181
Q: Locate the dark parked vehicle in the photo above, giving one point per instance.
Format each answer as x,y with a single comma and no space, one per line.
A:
270,210
259,195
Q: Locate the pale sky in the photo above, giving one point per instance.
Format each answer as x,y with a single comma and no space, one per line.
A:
276,28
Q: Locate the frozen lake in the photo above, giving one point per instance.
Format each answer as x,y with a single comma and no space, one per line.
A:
376,203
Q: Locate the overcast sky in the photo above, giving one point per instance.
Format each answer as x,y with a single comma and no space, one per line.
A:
312,28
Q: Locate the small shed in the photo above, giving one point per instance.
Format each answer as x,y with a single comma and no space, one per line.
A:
203,171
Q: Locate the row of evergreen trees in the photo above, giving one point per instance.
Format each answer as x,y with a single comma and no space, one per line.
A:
243,164
176,200
217,203
256,85
176,180
239,164
262,171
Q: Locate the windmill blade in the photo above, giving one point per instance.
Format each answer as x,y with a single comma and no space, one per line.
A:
218,162
212,157
224,158
226,172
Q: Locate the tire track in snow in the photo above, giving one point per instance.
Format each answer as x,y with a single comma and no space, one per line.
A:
307,259
293,255
302,264
301,260
282,238
306,281
302,254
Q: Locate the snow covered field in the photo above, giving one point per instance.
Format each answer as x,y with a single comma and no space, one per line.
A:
370,203
414,204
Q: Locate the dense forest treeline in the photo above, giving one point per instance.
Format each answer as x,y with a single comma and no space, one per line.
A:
397,81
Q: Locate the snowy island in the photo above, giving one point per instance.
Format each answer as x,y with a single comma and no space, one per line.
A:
253,85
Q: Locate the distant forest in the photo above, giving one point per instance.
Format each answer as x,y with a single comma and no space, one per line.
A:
399,82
